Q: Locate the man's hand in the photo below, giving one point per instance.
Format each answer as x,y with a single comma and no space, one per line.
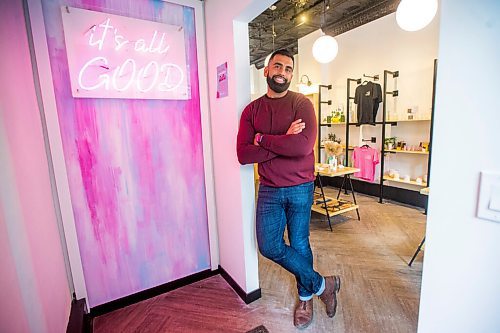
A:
296,127
255,142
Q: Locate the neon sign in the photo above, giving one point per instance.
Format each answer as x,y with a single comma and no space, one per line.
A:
113,56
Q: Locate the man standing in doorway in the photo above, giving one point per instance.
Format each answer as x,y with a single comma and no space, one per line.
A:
278,131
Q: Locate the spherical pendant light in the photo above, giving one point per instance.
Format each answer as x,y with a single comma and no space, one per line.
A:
325,49
413,15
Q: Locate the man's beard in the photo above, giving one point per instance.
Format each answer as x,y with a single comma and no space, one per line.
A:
277,87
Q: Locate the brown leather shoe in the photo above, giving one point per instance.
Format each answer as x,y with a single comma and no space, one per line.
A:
329,295
303,314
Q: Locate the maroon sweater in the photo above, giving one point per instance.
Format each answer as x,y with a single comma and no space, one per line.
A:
284,160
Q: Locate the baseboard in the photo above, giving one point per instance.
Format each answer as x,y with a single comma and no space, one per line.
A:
246,297
84,320
397,194
78,322
149,293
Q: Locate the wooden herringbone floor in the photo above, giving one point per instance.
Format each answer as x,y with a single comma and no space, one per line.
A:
380,293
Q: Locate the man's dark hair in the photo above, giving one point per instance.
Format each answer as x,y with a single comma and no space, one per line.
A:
284,52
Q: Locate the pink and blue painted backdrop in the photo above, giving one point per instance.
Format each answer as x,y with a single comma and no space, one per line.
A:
135,168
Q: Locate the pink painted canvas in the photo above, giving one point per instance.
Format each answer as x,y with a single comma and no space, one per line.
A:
135,167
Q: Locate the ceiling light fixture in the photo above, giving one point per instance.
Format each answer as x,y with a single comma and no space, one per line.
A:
302,20
273,32
325,48
299,3
413,15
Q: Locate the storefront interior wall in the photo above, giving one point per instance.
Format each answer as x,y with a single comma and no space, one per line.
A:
227,41
33,283
460,256
369,50
460,289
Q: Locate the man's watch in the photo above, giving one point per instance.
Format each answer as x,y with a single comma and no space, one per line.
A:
259,138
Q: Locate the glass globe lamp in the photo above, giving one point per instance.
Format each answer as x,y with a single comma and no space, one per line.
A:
413,15
325,49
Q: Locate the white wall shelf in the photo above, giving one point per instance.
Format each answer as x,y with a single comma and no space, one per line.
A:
411,182
407,120
415,152
328,124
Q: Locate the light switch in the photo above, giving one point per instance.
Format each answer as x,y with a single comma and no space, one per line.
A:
488,206
495,198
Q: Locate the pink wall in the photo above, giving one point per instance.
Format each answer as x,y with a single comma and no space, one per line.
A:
13,317
234,183
223,121
33,283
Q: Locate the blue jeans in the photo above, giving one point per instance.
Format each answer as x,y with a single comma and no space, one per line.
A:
278,207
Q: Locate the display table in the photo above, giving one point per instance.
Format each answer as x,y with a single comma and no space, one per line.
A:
333,206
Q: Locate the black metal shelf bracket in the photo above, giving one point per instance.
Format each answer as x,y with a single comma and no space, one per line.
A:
374,77
320,103
373,139
394,74
392,123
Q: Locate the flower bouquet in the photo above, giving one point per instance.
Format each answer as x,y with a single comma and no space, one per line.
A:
333,151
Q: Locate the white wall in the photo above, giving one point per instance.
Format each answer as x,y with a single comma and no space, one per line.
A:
370,49
259,84
227,41
460,286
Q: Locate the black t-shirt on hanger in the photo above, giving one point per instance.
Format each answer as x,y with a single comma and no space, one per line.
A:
368,97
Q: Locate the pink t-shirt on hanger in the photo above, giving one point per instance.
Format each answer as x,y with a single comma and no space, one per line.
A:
365,158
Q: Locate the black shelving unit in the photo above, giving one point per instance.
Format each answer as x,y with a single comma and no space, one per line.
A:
419,248
385,93
394,93
320,103
347,120
383,122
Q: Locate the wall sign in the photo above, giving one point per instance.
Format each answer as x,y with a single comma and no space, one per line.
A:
222,83
113,56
